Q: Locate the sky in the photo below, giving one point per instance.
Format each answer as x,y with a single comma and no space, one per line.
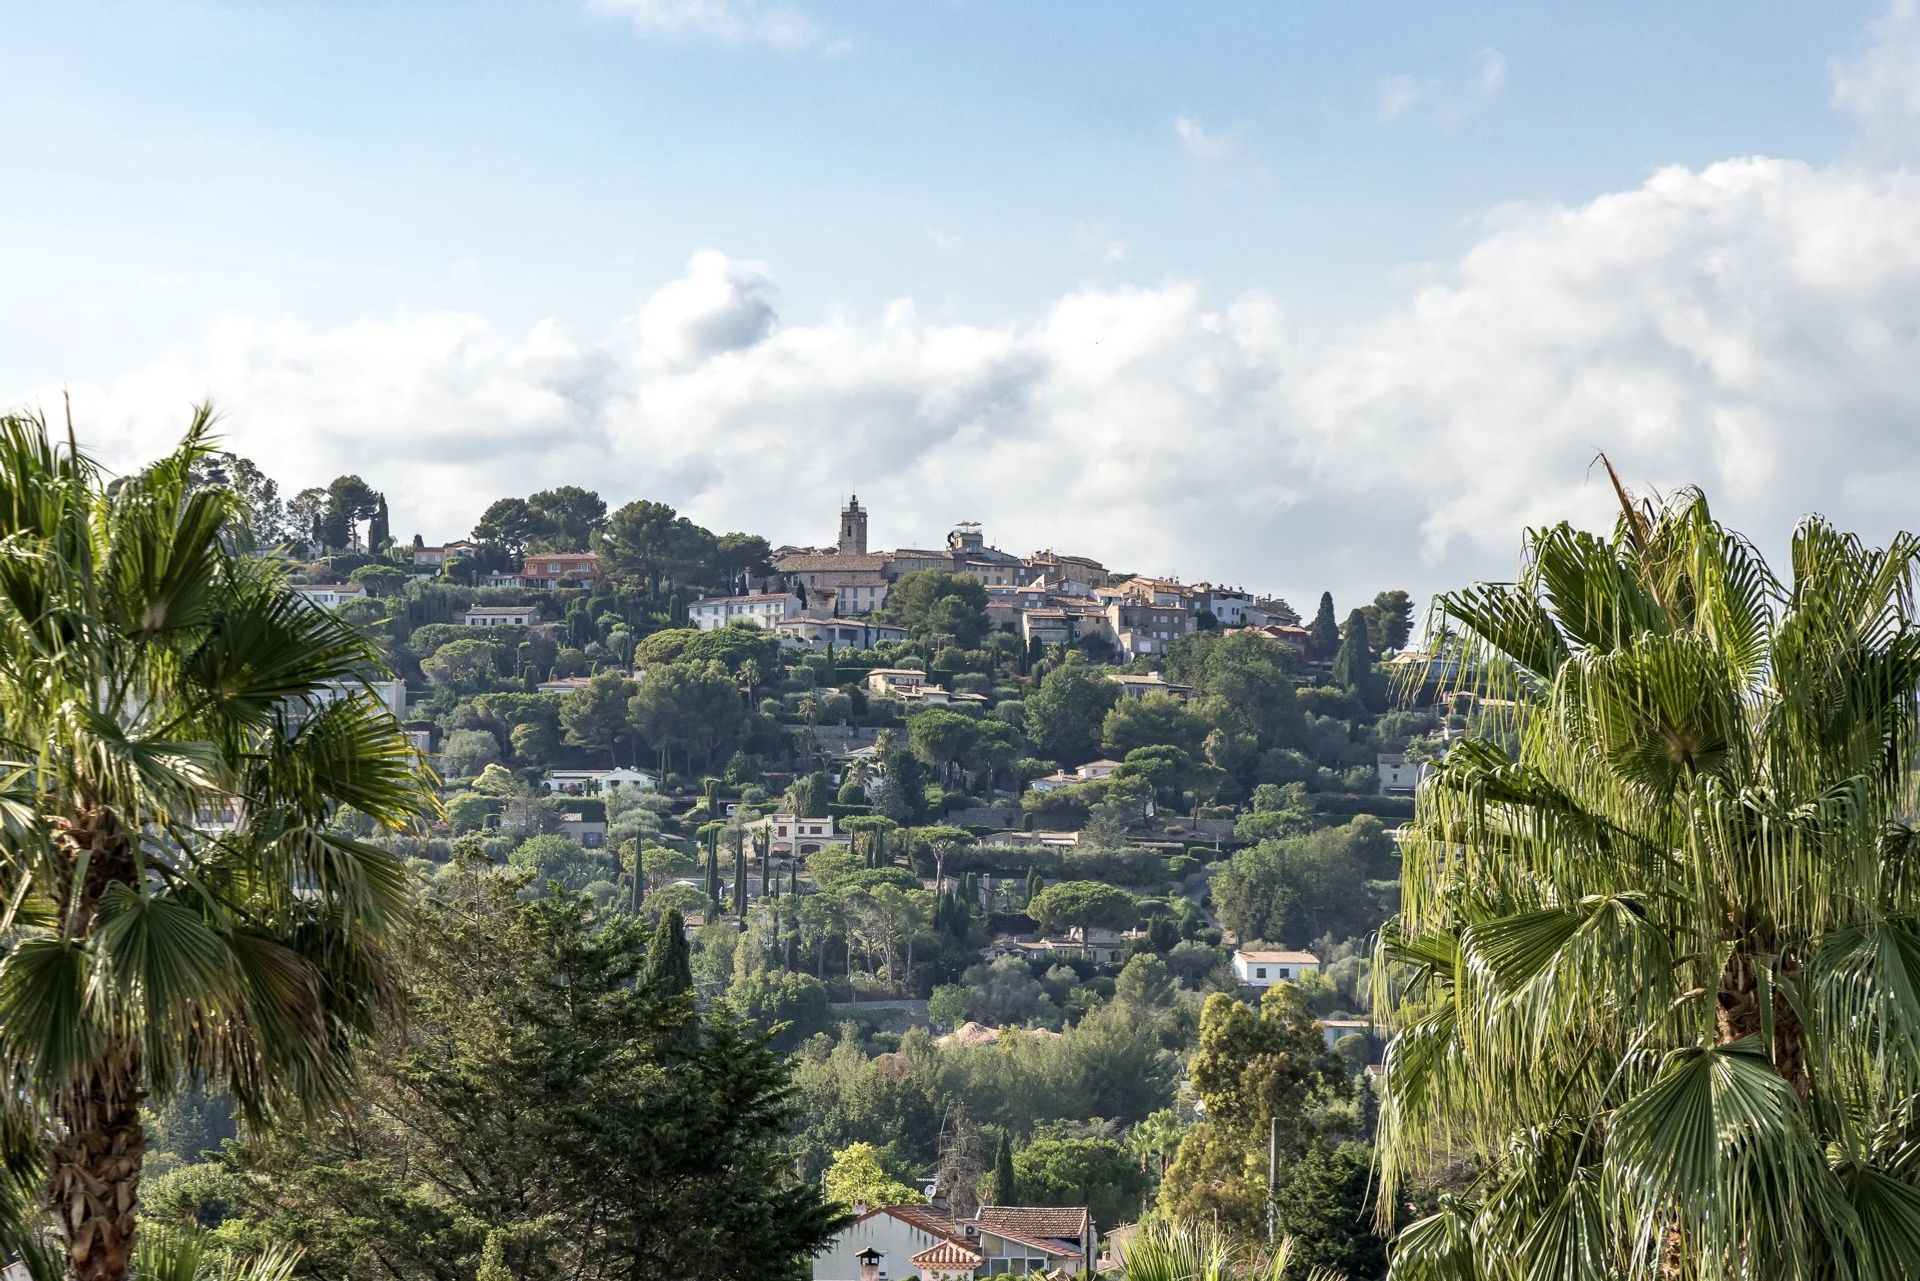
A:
1288,294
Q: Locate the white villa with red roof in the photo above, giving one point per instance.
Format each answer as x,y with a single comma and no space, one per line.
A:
1001,1240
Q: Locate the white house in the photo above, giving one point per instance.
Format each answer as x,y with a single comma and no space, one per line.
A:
1264,969
1398,774
329,595
761,608
391,693
1098,769
919,1241
817,632
1232,606
502,616
586,782
564,685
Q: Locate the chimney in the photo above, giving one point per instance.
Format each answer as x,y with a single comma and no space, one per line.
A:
869,1264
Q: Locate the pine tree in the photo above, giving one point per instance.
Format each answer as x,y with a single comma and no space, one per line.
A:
1324,633
669,959
1001,1192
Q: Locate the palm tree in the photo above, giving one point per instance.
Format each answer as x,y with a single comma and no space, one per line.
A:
1200,1252
177,730
1656,977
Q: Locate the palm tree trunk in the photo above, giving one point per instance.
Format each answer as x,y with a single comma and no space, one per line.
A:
94,1182
1738,1014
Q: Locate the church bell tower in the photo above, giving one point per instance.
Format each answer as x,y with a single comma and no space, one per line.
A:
853,528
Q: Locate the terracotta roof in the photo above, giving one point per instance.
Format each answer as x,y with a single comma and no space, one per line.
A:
1281,958
948,1254
871,562
1052,1222
929,1221
970,1034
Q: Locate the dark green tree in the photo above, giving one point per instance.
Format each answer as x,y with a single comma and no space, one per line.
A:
379,532
669,958
1353,663
936,602
1004,1190
1324,631
1065,713
611,1128
1323,1203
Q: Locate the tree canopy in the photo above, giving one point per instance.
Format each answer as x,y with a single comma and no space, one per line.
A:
1654,977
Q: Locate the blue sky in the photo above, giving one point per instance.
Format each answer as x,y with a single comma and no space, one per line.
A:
177,172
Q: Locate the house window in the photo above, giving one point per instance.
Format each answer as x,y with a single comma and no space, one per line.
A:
1260,972
1285,973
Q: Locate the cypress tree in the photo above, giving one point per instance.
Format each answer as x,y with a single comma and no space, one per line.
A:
669,960
378,533
740,876
1324,633
1353,665
1033,883
713,871
1001,1192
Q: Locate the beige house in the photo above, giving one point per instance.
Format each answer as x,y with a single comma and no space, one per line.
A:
791,834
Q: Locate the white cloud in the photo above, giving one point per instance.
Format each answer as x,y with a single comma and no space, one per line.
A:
1093,240
1450,101
1750,327
1880,83
720,305
733,22
1199,141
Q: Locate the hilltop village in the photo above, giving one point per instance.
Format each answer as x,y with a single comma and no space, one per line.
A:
987,843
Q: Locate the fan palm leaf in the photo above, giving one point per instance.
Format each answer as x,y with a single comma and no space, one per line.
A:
1657,975
177,731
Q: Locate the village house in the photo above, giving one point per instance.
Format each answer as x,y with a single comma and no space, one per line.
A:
920,1241
329,595
589,832
817,632
1141,626
895,680
1138,687
501,616
1400,775
1231,606
437,557
763,609
1072,569
1048,626
1264,969
790,834
563,684
1292,635
1102,947
554,569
